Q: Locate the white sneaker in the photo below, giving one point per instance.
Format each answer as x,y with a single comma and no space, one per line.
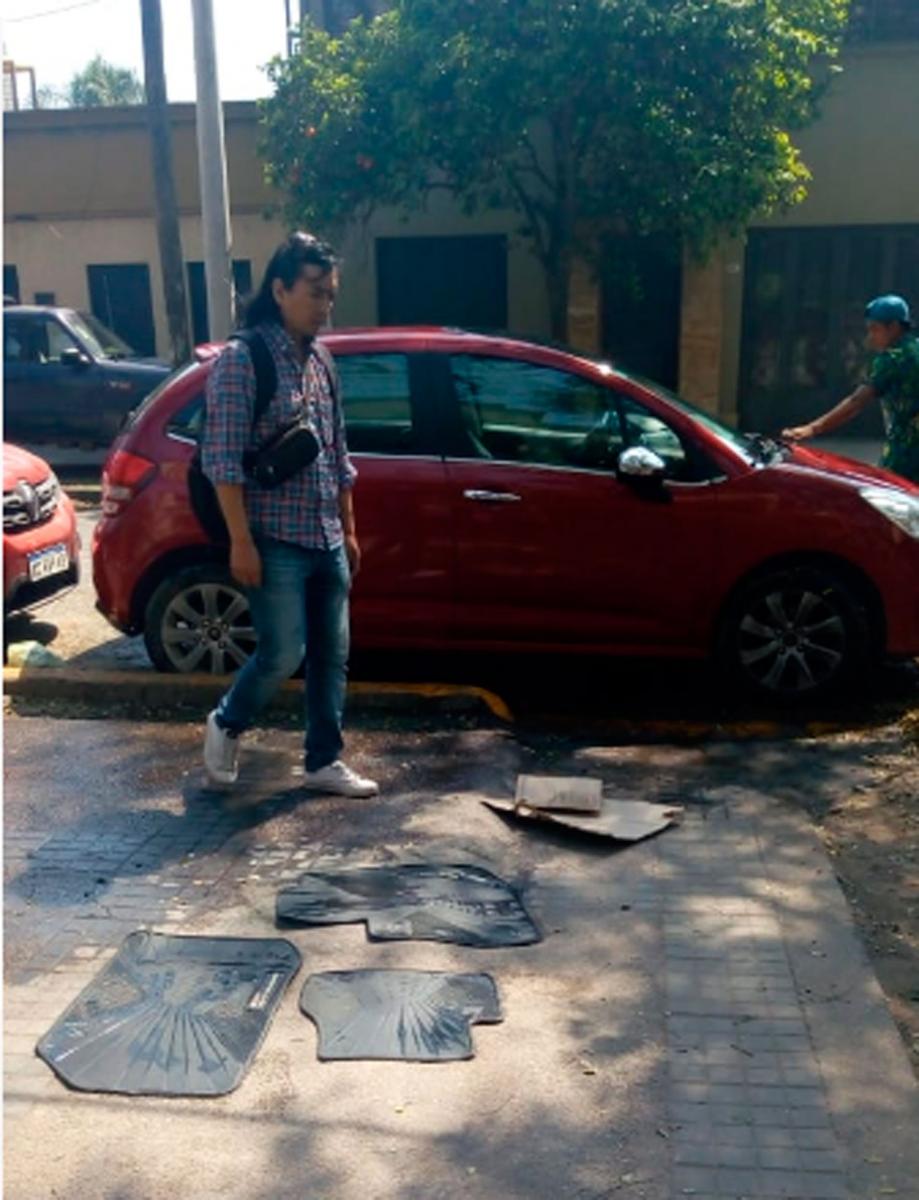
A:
340,780
221,752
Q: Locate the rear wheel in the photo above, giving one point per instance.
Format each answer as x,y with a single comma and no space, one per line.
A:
795,635
199,620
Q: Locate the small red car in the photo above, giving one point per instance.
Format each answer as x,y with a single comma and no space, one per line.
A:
41,545
517,497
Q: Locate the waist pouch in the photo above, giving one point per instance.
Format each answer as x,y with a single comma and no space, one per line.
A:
287,452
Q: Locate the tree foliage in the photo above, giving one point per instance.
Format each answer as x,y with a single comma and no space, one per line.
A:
102,85
586,117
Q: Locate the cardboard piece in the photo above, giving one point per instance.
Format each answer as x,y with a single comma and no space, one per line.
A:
560,794
621,820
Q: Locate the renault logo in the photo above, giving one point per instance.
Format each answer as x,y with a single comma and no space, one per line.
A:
30,500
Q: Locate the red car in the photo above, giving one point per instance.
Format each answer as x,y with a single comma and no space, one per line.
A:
41,546
516,497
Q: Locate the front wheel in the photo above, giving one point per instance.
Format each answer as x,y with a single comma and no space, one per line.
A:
198,619
795,635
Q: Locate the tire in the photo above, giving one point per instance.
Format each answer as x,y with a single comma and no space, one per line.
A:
198,620
795,635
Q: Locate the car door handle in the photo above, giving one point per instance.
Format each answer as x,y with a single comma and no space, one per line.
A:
491,497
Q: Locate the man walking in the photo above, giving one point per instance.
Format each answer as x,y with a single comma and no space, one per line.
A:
893,379
293,546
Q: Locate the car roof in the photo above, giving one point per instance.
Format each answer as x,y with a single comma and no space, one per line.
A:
442,335
31,310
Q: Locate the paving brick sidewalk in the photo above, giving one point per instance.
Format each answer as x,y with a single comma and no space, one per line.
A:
700,1021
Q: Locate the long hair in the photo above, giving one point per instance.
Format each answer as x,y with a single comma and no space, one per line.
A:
295,252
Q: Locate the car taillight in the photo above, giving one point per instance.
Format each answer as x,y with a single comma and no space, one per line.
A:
125,475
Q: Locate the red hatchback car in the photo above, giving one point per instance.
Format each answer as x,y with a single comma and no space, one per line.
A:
516,497
41,545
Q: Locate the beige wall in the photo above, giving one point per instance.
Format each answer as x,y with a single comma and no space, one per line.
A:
863,154
83,163
528,310
53,255
78,190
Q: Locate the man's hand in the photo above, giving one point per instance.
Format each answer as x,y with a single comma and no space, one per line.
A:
245,562
798,433
353,550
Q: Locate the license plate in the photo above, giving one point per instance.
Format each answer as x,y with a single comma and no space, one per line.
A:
48,562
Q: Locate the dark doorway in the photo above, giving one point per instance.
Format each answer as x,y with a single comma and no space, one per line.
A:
805,292
119,295
641,293
10,282
197,295
459,281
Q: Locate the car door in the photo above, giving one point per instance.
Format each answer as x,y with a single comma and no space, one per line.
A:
552,548
403,593
18,414
50,399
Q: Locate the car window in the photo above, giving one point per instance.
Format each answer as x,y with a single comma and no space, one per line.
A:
644,428
41,340
101,341
189,420
376,394
54,340
152,398
517,411
15,340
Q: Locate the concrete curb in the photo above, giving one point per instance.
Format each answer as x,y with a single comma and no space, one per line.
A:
153,690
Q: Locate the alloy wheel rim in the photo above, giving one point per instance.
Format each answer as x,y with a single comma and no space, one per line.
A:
208,627
792,640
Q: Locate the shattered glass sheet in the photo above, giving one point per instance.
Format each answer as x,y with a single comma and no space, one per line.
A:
465,905
419,1016
172,1016
576,794
621,820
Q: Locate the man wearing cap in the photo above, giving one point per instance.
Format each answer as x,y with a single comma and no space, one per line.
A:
893,379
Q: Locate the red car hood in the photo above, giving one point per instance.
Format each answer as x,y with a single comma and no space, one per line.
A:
856,472
19,464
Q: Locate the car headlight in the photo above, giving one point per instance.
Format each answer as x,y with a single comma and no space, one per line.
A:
899,507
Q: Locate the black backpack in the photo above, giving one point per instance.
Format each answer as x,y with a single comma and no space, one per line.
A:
201,491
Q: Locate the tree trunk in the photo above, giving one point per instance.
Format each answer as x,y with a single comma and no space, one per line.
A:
558,283
561,235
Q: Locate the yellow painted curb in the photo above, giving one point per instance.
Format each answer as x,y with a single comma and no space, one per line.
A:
154,687
437,691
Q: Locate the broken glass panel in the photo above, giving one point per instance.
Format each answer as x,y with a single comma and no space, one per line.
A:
420,1016
172,1016
462,904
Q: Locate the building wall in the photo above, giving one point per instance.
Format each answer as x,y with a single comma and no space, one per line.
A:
863,155
78,190
53,255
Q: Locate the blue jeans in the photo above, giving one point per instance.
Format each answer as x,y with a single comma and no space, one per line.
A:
302,605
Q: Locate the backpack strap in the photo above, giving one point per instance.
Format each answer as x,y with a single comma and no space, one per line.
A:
266,373
324,356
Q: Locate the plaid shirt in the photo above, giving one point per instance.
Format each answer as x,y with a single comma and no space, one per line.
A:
306,509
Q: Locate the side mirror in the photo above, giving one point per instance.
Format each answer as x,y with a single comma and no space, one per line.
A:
72,357
640,464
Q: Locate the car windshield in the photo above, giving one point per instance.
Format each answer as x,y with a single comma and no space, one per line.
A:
98,338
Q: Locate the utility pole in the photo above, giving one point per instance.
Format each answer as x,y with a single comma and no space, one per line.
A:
167,209
212,172
291,32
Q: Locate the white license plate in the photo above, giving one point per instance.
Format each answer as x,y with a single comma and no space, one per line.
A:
48,562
